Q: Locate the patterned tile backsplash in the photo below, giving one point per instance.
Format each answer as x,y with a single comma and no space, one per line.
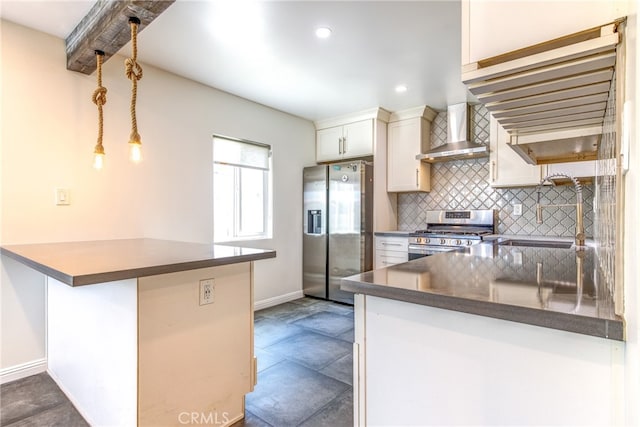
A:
464,184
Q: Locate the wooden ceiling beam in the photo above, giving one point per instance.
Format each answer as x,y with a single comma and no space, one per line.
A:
106,28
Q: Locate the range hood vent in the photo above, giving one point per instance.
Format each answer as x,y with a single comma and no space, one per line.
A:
550,97
459,145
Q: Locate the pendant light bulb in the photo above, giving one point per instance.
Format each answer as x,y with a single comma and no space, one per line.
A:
135,151
98,161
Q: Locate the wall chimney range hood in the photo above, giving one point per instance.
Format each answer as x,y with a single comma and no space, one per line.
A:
459,145
551,97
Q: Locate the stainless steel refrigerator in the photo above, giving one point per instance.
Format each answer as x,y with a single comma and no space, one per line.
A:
338,227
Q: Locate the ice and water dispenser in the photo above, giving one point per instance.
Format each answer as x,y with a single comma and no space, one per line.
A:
314,221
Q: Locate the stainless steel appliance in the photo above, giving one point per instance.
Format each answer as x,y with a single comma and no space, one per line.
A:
338,227
448,230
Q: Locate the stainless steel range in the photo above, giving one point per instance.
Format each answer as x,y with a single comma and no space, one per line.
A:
449,230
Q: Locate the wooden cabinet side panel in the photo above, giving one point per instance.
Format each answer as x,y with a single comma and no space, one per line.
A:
193,358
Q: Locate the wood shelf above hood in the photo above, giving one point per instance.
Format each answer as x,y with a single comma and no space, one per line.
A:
546,93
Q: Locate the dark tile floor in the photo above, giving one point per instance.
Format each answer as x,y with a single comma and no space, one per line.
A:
36,401
305,366
304,374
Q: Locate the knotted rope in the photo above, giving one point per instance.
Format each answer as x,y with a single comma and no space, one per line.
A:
99,98
133,71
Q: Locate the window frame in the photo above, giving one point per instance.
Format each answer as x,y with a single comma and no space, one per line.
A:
267,192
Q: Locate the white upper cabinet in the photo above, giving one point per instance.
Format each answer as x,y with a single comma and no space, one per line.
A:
345,142
506,167
409,135
493,27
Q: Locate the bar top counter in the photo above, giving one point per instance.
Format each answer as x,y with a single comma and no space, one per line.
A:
91,262
553,287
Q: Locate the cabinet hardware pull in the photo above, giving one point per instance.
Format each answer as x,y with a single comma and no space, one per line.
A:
391,244
344,144
340,145
493,171
417,178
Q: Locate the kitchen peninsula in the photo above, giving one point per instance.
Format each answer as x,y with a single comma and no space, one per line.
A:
149,332
495,333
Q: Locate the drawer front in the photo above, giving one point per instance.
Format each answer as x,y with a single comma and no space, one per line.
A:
400,244
387,258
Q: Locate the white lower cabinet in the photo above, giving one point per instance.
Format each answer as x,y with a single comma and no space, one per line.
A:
500,372
391,250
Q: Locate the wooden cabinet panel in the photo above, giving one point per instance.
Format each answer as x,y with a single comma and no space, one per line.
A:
194,356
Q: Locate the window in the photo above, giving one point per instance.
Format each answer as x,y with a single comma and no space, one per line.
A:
241,190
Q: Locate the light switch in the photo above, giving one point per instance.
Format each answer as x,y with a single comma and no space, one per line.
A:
62,197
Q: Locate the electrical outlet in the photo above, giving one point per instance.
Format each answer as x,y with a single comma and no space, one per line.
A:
517,209
207,287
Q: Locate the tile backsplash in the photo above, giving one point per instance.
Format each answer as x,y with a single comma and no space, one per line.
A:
464,184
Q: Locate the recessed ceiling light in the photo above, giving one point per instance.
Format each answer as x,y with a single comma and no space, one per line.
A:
401,88
323,32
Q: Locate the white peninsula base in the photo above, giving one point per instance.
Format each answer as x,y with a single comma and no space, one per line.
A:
419,365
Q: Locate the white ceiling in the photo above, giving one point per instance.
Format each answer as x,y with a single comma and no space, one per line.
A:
266,51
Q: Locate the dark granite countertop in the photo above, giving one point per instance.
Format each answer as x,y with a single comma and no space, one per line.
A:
86,263
549,287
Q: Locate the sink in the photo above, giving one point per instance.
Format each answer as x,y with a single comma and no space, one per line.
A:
537,243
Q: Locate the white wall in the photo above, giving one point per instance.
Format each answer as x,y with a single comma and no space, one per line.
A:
49,128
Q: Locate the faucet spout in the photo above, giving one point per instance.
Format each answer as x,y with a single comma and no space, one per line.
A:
579,234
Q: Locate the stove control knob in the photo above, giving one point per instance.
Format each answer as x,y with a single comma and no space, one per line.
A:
458,242
469,242
421,240
443,241
427,240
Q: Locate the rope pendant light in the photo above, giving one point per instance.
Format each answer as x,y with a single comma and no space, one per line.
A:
133,71
99,98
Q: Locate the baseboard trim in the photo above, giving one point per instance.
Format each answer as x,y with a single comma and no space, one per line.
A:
22,370
280,299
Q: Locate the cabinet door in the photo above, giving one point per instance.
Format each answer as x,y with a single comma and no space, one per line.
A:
405,173
329,144
358,139
506,167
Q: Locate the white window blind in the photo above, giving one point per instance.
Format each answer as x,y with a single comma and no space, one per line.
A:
241,190
240,153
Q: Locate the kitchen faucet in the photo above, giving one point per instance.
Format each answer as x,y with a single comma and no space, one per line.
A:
580,237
